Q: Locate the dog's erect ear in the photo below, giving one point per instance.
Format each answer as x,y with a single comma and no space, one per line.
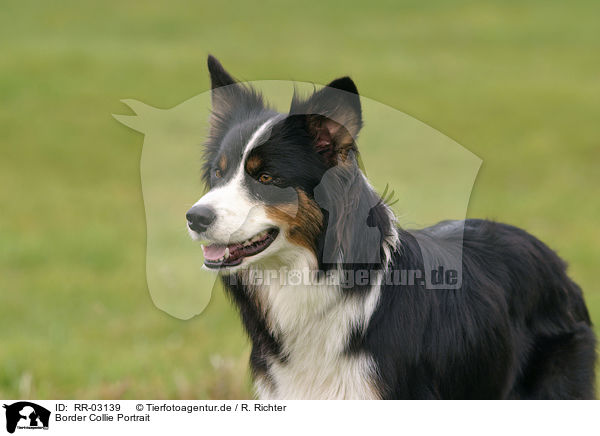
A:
231,100
333,118
227,93
218,76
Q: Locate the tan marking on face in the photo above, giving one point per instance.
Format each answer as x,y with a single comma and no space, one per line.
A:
223,163
253,164
303,224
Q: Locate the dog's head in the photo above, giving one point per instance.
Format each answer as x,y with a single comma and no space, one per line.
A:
277,181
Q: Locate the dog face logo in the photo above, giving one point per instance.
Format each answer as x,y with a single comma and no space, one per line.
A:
26,415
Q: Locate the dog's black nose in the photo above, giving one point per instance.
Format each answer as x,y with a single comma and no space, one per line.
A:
200,217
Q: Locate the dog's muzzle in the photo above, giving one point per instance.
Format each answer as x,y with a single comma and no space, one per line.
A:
200,218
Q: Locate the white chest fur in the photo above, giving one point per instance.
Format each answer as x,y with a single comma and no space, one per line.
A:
314,323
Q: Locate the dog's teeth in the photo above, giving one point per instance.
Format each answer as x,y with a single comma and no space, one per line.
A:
226,256
255,238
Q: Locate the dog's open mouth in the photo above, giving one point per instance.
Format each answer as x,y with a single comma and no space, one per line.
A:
223,256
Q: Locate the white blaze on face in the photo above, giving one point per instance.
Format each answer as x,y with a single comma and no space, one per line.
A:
238,215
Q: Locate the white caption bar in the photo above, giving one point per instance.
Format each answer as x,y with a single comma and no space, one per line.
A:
298,417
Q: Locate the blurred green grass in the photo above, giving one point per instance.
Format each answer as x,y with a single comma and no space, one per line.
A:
517,83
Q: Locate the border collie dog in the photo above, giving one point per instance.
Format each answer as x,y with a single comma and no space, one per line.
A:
286,193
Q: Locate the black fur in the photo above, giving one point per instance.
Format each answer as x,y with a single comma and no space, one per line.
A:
517,328
514,327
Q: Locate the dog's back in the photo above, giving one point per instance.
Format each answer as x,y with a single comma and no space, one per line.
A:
517,327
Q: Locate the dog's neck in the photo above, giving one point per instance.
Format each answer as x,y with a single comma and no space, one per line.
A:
298,294
312,320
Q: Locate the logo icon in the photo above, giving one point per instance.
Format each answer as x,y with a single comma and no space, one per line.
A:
26,415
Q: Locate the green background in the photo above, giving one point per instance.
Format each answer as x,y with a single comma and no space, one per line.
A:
516,82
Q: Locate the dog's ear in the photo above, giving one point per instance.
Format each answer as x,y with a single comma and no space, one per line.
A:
333,118
218,76
227,93
230,100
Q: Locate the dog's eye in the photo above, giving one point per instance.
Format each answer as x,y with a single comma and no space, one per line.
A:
218,174
265,178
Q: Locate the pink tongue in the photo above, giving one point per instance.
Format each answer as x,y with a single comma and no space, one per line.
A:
214,252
